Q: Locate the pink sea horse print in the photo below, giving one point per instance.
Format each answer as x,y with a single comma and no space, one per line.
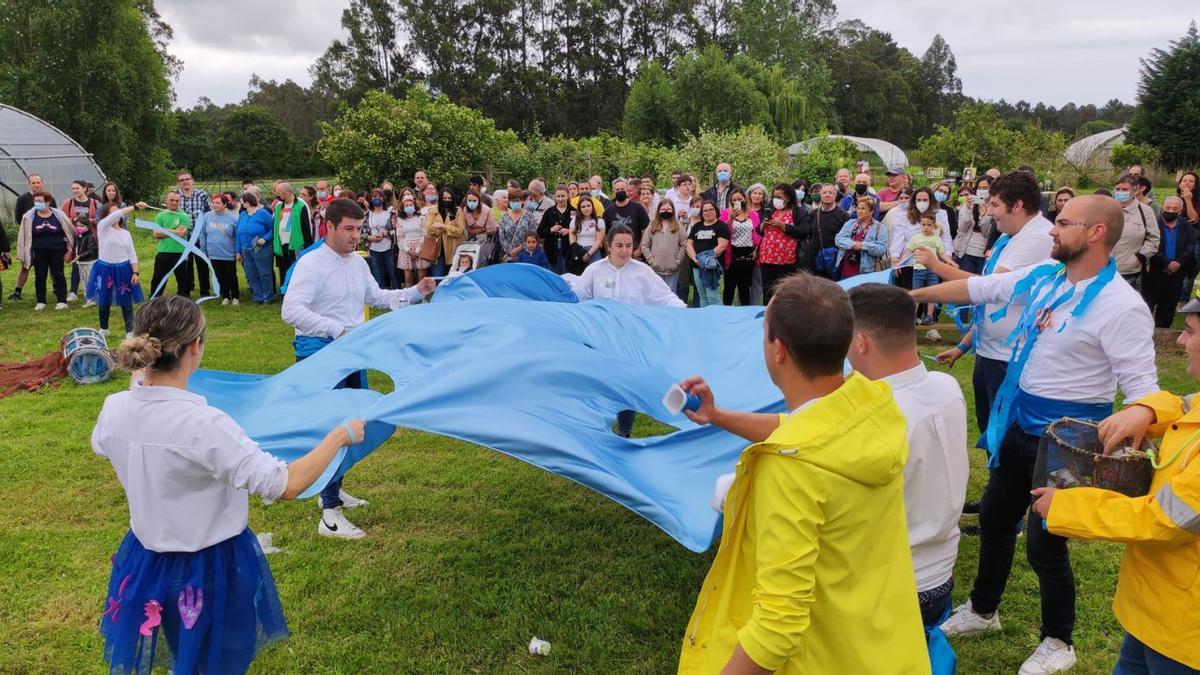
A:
153,617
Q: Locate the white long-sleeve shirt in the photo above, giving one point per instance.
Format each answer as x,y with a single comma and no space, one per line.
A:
1110,346
1028,247
116,245
935,475
187,468
634,282
327,292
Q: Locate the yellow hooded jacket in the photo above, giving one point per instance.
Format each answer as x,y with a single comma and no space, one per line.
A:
1158,591
814,574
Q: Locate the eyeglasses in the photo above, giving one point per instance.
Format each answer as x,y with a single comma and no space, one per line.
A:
1071,223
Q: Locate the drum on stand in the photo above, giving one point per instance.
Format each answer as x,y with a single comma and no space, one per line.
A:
86,354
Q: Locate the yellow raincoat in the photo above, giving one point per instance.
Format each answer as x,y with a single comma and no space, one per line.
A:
1158,591
814,573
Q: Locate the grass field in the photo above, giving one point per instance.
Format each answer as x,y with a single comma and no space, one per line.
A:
469,553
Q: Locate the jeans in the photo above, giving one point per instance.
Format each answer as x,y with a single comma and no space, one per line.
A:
259,274
1162,292
1005,500
49,261
1138,659
163,262
226,271
625,422
383,268
708,296
672,279
924,278
935,603
75,278
986,380
756,287
971,263
331,493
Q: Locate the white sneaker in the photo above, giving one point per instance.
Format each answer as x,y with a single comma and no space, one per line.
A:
1052,656
104,333
39,307
71,297
349,501
61,305
334,524
224,301
234,302
129,335
965,621
89,303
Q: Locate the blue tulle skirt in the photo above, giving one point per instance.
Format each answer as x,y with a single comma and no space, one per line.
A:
209,611
112,284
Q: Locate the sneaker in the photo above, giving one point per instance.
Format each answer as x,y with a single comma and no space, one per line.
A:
61,305
349,501
129,335
1052,656
224,301
334,524
71,297
234,302
39,307
89,303
15,295
965,621
104,333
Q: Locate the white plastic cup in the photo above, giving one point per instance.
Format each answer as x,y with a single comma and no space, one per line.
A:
676,400
538,647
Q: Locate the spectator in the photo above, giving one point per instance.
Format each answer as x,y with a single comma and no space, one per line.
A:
316,212
706,246
254,237
781,232
648,198
923,276
444,223
111,194
826,221
1174,261
291,228
217,237
971,244
1145,193
555,230
941,194
862,242
992,173
584,191
1136,170
429,195
499,204
800,186
537,194
889,196
664,244
532,253
514,224
1061,198
84,251
1188,189
420,180
595,183
907,224
721,189
681,196
194,202
622,210
322,193
862,188
169,251
586,236
842,181
480,186
80,205
381,230
739,259
43,240
1140,237
478,222
410,232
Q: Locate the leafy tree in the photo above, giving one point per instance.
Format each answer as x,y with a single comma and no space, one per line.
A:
754,156
821,161
1168,113
697,80
979,137
372,57
108,88
874,84
253,144
941,88
299,109
1126,154
1093,127
650,108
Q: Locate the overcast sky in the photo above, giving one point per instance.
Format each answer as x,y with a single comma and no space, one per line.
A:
1084,51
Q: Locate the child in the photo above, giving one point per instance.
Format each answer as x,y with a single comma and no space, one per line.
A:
533,253
929,238
190,588
114,277
85,250
465,263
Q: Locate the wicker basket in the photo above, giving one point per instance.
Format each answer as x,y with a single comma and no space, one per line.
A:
1071,455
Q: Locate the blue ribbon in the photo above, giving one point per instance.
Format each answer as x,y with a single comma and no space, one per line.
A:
189,247
1048,278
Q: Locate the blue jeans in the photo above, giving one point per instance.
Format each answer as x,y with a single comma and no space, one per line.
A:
924,278
971,263
260,273
986,380
383,268
1138,659
708,296
672,279
331,493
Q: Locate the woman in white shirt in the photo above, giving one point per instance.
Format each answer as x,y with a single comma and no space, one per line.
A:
587,232
190,588
114,277
380,228
410,231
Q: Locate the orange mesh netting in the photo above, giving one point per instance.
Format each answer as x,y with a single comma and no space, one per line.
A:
31,375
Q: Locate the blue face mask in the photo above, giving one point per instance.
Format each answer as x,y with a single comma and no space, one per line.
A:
799,195
431,198
1122,196
515,206
321,194
531,205
409,210
376,203
42,207
722,176
940,197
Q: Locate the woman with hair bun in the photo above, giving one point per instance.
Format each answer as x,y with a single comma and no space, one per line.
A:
190,588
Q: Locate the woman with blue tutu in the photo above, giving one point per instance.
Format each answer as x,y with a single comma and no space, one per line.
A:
114,276
190,589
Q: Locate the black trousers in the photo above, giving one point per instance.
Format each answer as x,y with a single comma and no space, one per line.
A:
49,260
986,380
1162,292
202,274
772,274
1006,500
226,271
283,262
163,262
738,277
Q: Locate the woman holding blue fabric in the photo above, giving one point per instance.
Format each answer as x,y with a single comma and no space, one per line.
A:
254,238
218,240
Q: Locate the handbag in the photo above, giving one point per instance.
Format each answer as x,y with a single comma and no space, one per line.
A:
825,261
431,248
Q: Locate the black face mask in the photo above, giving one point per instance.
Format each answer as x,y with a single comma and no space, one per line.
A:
1169,217
860,189
620,195
666,215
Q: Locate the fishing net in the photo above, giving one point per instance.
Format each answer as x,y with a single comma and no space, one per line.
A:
31,375
1071,455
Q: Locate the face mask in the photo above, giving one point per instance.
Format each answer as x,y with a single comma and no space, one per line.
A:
922,206
515,206
431,198
447,202
722,176
981,195
799,195
531,205
409,210
860,189
903,205
1122,195
42,207
1169,217
471,204
321,194
777,203
737,206
620,195
377,202
940,197
667,215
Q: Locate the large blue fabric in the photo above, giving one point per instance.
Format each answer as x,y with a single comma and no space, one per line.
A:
507,357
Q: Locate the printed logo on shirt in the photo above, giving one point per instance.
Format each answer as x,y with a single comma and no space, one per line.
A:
610,283
706,234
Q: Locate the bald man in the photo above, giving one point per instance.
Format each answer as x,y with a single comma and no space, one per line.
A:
1084,333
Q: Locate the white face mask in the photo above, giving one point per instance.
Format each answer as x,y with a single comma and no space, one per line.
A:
777,203
922,206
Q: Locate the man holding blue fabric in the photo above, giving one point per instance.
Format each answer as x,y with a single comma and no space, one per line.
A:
1082,333
325,299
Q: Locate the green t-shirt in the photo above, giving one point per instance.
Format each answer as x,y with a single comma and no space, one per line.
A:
931,241
171,220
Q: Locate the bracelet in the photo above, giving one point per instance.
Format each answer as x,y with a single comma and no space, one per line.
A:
349,433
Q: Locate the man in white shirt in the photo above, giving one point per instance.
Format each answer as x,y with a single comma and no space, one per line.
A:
1082,333
884,347
325,299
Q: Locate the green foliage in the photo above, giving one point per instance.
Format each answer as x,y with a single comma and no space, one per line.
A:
560,159
385,138
1093,127
1168,113
1125,154
255,145
754,156
711,93
650,108
822,161
94,69
979,137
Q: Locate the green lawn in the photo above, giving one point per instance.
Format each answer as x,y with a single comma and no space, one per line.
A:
469,553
